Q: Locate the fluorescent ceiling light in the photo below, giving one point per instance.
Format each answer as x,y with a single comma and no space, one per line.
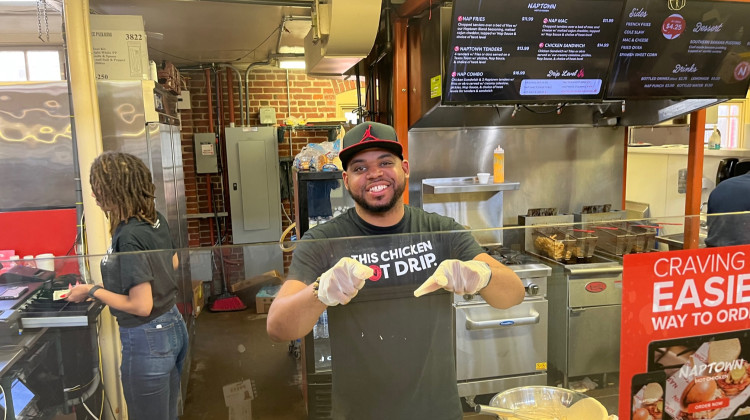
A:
288,49
292,64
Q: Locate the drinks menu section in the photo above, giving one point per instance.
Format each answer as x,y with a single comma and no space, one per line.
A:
682,48
516,50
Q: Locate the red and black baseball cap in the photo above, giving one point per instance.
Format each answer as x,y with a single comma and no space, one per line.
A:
369,135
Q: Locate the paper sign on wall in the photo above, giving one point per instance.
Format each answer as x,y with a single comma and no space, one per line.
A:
119,47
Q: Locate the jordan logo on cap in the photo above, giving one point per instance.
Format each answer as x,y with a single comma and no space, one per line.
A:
368,136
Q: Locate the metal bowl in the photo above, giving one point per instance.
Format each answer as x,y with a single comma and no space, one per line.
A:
536,398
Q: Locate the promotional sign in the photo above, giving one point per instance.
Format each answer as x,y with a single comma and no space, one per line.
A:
685,342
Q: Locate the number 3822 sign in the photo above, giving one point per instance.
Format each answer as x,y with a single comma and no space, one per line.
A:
119,47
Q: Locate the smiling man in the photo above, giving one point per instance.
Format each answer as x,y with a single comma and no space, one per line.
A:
384,272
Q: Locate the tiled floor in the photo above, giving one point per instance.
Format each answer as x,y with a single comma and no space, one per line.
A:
232,347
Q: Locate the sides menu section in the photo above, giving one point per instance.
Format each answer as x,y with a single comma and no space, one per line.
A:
516,50
682,48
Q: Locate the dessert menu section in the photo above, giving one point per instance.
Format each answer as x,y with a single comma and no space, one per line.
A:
520,51
682,48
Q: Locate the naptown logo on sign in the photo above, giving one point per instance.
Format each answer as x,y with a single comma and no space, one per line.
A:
686,300
742,71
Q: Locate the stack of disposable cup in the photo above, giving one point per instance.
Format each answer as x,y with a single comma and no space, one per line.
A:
46,261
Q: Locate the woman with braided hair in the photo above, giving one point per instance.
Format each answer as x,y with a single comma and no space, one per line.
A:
140,288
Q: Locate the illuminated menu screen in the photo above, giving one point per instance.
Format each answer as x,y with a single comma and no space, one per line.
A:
524,51
682,49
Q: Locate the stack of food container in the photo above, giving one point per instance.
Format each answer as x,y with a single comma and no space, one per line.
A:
554,243
615,239
585,242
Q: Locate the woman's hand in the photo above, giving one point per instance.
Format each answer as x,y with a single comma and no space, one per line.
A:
79,293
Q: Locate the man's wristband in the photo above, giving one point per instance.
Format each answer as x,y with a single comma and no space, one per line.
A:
93,290
316,285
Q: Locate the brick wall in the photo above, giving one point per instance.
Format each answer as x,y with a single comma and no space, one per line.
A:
305,97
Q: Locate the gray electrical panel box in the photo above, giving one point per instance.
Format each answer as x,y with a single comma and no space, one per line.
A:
267,115
254,184
206,155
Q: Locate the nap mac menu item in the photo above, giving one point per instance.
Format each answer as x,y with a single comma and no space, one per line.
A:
525,51
682,48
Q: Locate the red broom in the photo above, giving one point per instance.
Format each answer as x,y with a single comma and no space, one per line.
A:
225,302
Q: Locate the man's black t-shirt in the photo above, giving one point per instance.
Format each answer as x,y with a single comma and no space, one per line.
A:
124,268
392,354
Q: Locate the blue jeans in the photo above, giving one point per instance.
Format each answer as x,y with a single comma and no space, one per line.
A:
152,357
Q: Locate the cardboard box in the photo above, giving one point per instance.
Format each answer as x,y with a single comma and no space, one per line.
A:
198,297
273,277
265,297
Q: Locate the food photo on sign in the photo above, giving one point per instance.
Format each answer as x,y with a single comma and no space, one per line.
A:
686,315
648,396
713,382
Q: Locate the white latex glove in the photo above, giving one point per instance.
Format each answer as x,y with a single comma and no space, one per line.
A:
341,282
459,277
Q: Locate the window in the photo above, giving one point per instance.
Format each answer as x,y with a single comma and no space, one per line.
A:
32,65
729,122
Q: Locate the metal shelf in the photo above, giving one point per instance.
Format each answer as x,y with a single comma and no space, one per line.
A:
464,185
331,129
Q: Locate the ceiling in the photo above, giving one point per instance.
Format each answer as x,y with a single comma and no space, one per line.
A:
185,32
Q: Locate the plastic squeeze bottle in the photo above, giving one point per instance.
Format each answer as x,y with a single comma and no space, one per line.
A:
714,142
499,165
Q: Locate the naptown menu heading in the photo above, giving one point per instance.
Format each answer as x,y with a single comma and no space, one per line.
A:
523,51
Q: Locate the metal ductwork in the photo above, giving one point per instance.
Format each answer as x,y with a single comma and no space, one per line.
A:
429,39
342,33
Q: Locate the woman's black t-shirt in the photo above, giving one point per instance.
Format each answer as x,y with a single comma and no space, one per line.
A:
126,265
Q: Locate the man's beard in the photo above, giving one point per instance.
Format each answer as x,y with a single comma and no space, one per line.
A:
398,191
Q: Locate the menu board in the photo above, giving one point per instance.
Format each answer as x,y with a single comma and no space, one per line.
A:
524,51
682,49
